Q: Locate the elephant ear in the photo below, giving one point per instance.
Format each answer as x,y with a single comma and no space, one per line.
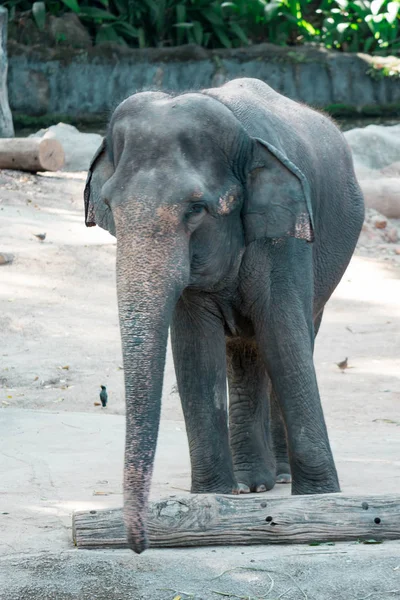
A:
278,199
97,212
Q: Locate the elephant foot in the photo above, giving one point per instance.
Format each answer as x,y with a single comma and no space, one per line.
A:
255,480
323,480
314,487
229,486
283,474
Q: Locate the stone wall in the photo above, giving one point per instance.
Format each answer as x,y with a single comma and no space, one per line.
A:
6,124
83,84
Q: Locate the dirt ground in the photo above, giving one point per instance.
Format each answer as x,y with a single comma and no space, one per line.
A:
61,452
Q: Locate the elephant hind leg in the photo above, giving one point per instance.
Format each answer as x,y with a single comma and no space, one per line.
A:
249,418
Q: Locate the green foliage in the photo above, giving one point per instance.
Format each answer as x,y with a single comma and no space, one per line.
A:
353,26
361,26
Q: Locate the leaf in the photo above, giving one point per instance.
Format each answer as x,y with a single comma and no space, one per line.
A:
229,6
223,38
238,31
153,7
122,6
307,26
108,34
184,25
342,3
271,9
181,13
39,14
212,16
368,44
73,5
97,13
126,29
342,27
141,38
376,6
393,9
198,32
321,544
360,8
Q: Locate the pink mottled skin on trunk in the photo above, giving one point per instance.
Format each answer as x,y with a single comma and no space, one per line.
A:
152,269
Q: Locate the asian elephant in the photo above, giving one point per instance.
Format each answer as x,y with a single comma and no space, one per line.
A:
236,212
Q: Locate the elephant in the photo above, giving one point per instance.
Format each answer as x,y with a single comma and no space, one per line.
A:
236,212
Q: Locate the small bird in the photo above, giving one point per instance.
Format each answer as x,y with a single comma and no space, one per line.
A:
103,396
343,364
40,236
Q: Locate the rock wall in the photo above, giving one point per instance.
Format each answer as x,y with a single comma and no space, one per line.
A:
6,124
83,83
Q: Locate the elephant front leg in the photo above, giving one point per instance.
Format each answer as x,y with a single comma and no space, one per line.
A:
311,461
281,303
287,350
249,418
198,344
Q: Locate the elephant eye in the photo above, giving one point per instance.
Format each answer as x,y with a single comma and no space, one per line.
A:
196,208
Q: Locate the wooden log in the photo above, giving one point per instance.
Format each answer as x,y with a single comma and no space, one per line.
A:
202,520
6,124
31,154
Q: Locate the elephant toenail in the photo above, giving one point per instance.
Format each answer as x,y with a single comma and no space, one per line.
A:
261,488
243,488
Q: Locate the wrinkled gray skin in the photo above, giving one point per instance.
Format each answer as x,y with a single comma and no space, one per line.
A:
236,212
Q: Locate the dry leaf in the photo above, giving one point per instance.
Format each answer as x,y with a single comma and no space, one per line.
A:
97,403
36,378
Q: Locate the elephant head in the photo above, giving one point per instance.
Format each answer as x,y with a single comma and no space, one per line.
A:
184,188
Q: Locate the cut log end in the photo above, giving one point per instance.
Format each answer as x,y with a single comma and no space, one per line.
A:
31,154
51,155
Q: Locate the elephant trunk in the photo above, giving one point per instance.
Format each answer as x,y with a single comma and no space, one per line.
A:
150,279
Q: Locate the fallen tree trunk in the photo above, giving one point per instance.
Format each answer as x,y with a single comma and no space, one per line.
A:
202,520
31,154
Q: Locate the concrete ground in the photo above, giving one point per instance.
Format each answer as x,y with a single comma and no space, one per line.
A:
60,452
